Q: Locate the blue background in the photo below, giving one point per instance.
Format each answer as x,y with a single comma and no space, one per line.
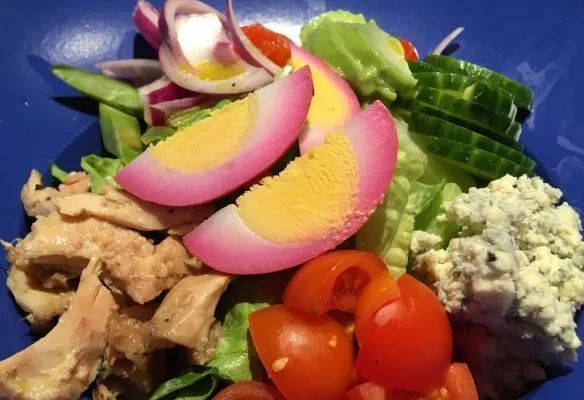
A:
536,42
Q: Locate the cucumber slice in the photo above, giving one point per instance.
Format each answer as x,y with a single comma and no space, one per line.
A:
419,66
475,161
495,99
432,126
523,95
464,113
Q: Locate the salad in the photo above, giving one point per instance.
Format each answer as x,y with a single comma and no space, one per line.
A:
335,219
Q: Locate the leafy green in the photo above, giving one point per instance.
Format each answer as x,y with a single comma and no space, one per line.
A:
58,173
101,171
368,58
425,197
120,133
182,119
112,92
438,170
235,360
155,134
334,16
430,221
193,385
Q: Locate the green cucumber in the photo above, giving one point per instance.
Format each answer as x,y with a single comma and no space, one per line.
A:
464,113
432,126
523,95
495,99
477,162
419,66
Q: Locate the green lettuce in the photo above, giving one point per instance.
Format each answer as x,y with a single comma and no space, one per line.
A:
184,118
101,171
155,134
431,220
58,173
368,58
198,384
235,359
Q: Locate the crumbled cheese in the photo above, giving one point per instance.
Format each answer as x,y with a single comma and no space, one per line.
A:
513,280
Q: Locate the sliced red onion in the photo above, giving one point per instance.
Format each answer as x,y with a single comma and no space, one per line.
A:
146,20
167,23
250,79
161,111
447,40
225,53
162,91
244,46
138,71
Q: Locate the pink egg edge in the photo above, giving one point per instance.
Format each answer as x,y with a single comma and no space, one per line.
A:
226,244
282,109
313,135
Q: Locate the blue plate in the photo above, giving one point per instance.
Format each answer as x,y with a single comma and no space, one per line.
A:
534,41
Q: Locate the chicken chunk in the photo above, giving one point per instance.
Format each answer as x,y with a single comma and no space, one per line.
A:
63,364
41,305
123,209
141,269
187,312
40,200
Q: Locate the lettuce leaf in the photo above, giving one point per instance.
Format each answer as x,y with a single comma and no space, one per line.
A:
58,173
431,220
155,134
235,357
101,171
198,384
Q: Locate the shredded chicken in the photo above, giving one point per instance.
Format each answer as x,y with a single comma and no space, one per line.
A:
134,368
63,364
40,200
42,305
187,312
205,352
142,269
123,209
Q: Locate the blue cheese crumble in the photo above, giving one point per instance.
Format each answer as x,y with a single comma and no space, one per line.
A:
512,280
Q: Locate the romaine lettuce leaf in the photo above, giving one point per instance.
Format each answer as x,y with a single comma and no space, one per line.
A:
431,220
235,360
101,171
198,384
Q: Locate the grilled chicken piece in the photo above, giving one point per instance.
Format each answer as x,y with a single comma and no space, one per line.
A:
63,364
42,305
123,209
187,312
40,200
140,268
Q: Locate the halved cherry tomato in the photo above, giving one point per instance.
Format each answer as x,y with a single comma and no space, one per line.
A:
409,343
250,390
333,281
380,291
459,386
410,51
272,45
307,356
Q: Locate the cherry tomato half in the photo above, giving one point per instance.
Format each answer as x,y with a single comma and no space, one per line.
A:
380,291
250,390
333,281
307,356
272,45
409,343
460,384
410,52
368,391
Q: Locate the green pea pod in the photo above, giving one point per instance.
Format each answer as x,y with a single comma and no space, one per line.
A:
155,134
58,173
106,90
193,385
120,133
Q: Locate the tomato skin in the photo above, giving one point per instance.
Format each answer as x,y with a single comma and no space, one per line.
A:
272,45
410,52
332,281
307,356
380,291
250,390
460,383
409,343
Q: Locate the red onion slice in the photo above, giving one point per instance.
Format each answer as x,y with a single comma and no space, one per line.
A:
250,79
225,53
138,71
159,113
146,18
160,92
167,23
245,47
447,40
